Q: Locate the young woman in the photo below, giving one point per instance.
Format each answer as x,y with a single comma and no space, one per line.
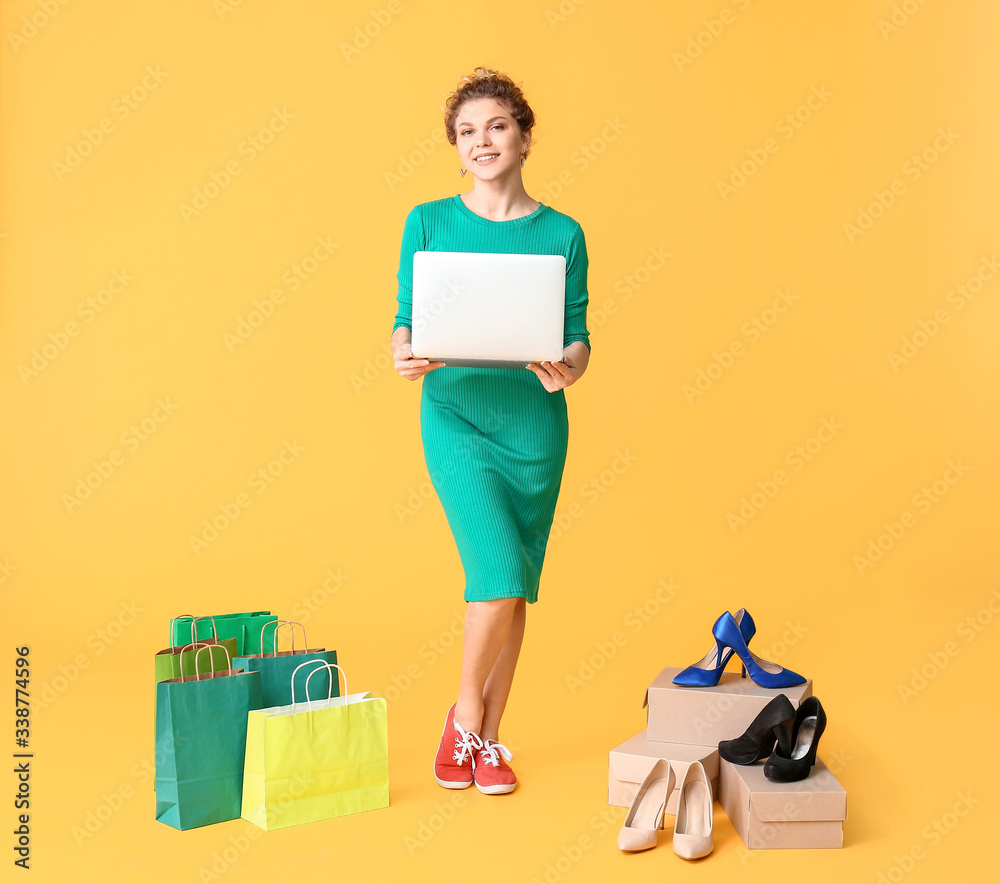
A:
495,439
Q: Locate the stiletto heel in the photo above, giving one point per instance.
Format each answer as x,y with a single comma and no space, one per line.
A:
793,763
773,723
743,671
645,814
693,823
762,672
708,670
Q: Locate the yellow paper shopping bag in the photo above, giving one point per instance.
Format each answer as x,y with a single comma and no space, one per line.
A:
315,759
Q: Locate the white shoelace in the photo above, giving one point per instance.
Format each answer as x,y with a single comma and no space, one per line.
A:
465,744
489,752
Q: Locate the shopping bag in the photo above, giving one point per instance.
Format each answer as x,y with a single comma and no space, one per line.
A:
245,628
316,759
275,667
201,728
172,663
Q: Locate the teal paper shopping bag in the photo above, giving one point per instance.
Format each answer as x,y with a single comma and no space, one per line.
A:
201,730
173,662
276,667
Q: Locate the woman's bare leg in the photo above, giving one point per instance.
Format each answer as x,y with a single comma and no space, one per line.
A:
497,687
488,626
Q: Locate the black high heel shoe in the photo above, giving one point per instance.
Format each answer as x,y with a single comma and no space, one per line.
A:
791,765
774,723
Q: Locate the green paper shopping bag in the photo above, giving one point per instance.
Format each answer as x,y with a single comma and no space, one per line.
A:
172,662
276,667
245,628
201,728
317,759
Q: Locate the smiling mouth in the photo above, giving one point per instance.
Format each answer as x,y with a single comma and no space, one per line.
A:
483,159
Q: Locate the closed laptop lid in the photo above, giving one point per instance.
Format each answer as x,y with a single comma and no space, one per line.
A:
488,309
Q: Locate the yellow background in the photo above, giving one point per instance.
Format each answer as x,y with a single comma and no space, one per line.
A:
633,140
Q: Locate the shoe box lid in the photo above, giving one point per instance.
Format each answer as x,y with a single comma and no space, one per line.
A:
707,715
630,762
819,797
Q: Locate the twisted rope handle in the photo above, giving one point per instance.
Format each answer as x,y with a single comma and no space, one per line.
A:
320,665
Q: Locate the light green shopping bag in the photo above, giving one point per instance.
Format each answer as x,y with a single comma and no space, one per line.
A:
173,662
276,667
316,759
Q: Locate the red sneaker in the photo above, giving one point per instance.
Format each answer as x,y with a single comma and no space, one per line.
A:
455,761
492,773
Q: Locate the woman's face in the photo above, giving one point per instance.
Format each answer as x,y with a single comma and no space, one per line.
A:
484,128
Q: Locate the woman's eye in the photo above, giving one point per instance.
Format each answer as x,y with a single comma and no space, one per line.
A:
469,131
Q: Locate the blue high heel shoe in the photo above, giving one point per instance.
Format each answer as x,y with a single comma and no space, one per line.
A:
708,670
764,673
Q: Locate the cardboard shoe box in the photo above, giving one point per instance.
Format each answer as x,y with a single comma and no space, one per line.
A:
629,763
809,813
706,716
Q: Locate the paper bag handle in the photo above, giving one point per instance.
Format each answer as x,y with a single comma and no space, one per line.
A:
277,625
202,646
320,664
173,620
215,629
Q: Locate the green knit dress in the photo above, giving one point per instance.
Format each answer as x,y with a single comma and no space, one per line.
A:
495,439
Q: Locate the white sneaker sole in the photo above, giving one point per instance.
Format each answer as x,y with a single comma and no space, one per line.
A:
498,789
451,784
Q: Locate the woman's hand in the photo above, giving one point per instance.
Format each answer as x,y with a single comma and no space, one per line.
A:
558,375
409,366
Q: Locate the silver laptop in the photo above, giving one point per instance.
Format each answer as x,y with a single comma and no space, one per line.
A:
479,309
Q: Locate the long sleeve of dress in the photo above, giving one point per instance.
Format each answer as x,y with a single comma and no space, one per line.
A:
575,325
413,241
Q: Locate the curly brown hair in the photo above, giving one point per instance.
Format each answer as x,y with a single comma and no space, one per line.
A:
487,83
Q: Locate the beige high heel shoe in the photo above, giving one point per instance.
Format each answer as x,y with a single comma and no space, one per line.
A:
645,814
693,823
